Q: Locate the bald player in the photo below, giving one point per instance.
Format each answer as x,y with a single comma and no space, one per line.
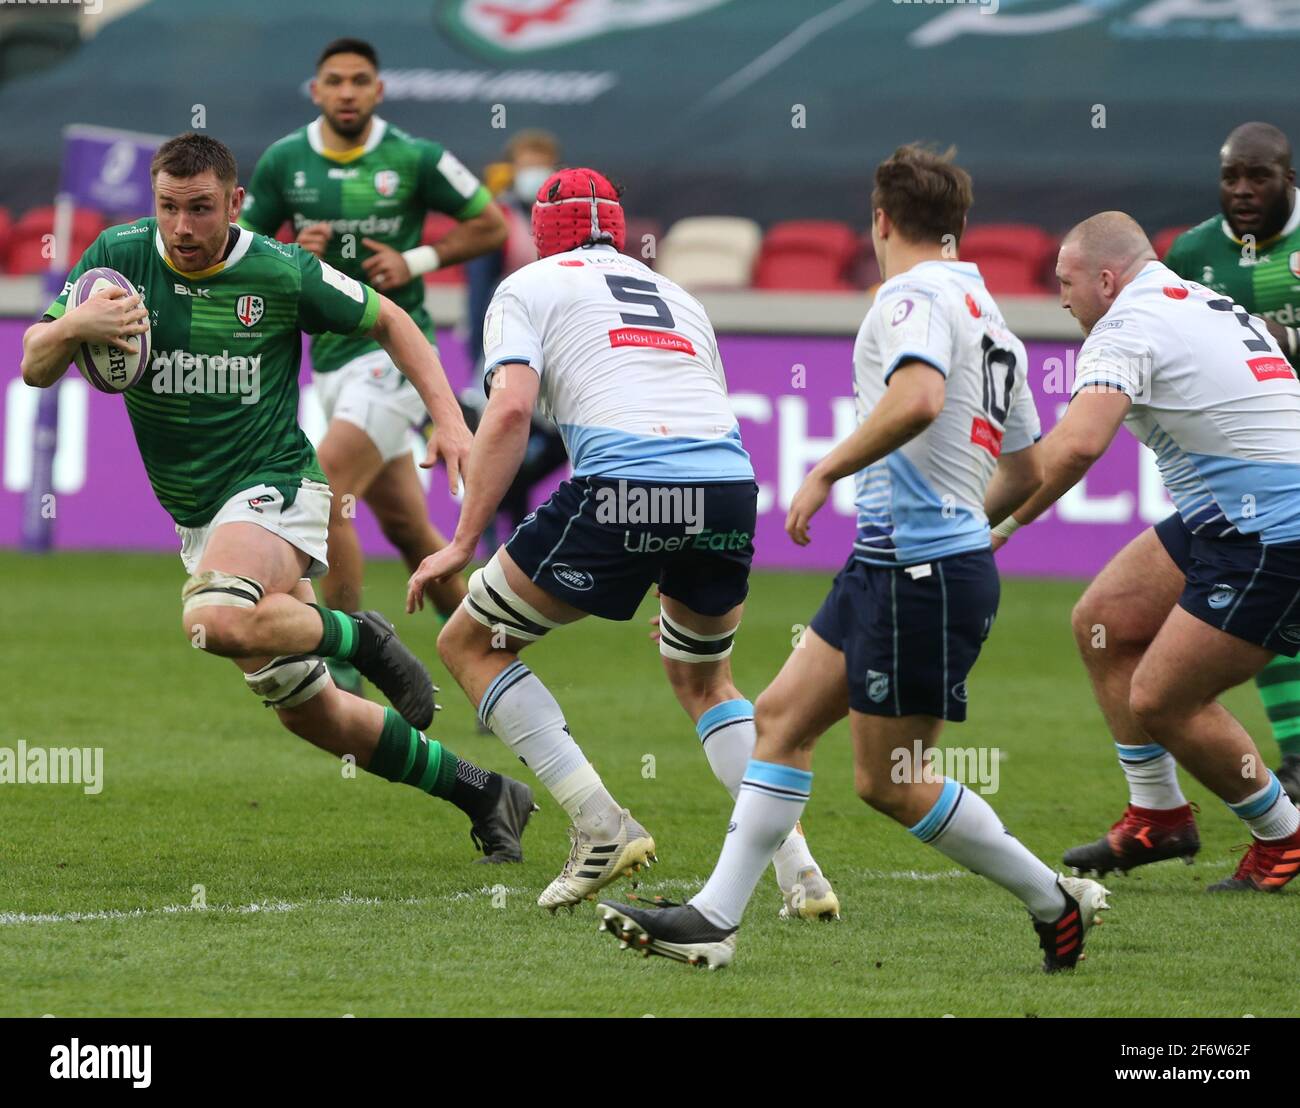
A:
1207,598
1252,254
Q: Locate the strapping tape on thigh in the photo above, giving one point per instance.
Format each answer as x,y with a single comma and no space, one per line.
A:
213,589
492,602
681,645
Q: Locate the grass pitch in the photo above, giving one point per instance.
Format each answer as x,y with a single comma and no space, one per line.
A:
327,895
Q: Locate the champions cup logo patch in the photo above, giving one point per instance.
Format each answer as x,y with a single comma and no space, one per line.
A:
1293,264
256,502
1291,632
901,312
386,182
249,309
1175,292
972,306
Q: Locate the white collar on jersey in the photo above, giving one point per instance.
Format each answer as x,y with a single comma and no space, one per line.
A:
242,244
969,269
378,127
1290,225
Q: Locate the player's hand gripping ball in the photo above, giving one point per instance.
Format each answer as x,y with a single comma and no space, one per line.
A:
106,365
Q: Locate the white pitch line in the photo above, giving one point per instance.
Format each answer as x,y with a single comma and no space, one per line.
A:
16,919
10,919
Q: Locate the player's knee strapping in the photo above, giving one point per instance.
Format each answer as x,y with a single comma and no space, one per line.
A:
494,604
681,645
214,589
289,680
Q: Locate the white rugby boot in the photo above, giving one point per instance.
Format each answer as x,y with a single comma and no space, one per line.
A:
809,896
592,865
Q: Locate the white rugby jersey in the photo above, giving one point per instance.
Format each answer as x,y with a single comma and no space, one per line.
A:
629,367
926,499
1213,397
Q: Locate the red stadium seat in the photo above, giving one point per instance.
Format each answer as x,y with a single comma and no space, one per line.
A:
806,254
27,252
1165,239
1013,257
6,225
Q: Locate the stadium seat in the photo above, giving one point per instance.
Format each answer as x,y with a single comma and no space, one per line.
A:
1163,240
6,225
710,252
807,254
26,250
436,225
1013,257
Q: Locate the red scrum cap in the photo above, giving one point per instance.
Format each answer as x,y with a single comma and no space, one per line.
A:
576,207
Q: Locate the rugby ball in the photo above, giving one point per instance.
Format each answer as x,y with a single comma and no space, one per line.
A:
106,367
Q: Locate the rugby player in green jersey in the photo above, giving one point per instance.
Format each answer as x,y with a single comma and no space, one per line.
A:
356,191
215,418
1252,253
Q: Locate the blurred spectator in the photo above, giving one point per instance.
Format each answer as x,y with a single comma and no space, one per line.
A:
531,157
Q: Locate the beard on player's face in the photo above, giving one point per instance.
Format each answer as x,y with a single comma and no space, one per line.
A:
1261,211
198,248
352,127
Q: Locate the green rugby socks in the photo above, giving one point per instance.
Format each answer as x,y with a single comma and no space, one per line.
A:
405,755
340,637
1279,688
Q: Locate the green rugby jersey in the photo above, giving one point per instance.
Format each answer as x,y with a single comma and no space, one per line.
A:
217,409
1267,283
381,191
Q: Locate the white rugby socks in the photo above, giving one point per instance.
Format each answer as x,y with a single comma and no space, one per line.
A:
1269,813
963,826
525,716
1152,776
727,733
770,801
